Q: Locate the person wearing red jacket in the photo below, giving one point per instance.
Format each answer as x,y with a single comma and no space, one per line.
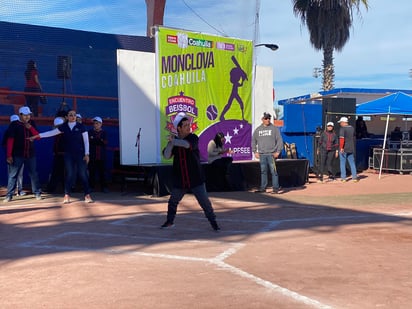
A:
32,85
20,151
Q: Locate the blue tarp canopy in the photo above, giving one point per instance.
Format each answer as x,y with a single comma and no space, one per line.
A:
397,103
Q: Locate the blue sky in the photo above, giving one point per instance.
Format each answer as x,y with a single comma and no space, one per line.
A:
378,54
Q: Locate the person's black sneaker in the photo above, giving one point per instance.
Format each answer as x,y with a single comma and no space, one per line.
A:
167,225
277,191
215,226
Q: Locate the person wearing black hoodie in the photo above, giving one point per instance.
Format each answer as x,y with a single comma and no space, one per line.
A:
328,148
187,171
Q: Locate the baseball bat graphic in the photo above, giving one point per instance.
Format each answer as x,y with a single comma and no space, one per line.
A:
239,67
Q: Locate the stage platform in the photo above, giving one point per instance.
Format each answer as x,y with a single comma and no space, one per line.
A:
243,175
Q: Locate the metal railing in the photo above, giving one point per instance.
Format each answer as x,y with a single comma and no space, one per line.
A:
73,97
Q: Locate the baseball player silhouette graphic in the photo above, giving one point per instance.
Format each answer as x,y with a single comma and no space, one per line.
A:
237,77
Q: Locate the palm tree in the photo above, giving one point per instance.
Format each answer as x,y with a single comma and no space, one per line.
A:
328,22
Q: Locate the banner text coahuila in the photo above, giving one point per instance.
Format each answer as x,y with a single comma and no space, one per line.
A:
180,79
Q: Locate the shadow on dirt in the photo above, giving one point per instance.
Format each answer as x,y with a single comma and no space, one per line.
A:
132,224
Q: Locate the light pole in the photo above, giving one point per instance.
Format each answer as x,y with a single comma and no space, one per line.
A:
259,109
272,47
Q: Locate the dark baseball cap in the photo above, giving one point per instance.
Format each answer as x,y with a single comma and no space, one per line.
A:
267,115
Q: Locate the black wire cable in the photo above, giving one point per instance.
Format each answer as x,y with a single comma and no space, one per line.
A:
204,20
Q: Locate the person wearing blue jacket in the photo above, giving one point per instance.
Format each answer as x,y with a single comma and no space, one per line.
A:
76,154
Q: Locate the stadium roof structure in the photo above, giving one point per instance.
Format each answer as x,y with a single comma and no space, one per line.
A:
362,95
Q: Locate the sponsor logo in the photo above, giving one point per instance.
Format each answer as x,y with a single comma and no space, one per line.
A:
200,43
171,39
225,46
181,103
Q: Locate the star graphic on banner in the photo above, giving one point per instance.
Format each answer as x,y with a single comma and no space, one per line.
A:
241,126
228,138
235,131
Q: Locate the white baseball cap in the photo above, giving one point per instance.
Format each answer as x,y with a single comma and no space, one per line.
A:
98,119
330,124
178,118
25,110
343,119
14,118
58,121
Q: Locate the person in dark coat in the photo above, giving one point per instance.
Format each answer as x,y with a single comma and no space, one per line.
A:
329,150
187,171
21,150
19,184
361,128
347,149
97,165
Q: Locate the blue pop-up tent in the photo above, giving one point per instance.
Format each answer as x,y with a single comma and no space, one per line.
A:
397,103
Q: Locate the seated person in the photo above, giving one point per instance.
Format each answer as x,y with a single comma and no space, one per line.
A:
405,136
361,128
396,135
220,163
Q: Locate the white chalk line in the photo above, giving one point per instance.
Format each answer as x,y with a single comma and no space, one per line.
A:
218,260
272,286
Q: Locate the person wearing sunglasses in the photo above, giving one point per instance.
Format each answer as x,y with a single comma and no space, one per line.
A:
267,144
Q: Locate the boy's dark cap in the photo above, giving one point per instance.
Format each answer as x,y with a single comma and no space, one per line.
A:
267,115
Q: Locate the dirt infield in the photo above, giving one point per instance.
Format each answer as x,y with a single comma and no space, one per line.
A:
331,245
